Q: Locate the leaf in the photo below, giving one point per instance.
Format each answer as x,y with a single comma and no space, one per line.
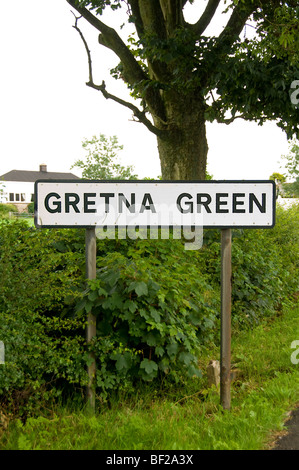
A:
159,351
123,361
88,306
149,366
155,315
93,295
151,338
80,305
130,305
186,358
112,278
140,288
172,349
192,370
60,246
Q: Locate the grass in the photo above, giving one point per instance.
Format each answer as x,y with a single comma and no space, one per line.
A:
187,417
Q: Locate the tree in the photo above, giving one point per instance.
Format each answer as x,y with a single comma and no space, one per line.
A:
292,167
101,160
183,78
279,179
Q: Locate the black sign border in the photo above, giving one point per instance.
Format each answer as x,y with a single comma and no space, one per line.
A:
157,181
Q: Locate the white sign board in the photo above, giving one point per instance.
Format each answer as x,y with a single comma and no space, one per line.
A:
218,204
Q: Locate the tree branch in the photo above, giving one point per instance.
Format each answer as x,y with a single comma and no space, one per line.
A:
133,72
112,40
173,14
237,21
137,17
227,121
205,19
140,115
85,44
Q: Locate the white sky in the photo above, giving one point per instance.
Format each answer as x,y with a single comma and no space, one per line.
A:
47,110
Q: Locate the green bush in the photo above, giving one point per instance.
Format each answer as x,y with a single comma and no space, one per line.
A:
156,304
152,305
30,208
6,208
265,267
40,278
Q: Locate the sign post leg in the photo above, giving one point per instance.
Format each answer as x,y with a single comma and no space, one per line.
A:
225,354
90,260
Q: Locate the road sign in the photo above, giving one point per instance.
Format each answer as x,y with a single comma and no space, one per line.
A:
217,204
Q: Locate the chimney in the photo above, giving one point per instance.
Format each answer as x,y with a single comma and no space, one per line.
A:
43,167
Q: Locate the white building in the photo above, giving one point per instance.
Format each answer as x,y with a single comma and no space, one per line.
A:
17,186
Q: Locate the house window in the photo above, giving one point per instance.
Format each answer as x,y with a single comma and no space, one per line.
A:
17,197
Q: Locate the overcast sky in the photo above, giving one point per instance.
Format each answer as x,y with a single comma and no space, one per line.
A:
47,110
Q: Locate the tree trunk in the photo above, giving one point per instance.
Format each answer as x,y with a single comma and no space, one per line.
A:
183,148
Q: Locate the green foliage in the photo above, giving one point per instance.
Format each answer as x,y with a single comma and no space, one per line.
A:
6,208
292,159
41,272
292,167
101,160
30,208
248,76
157,305
264,266
185,417
278,30
99,5
149,312
277,177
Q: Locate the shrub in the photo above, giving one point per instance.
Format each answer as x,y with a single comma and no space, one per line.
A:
152,306
40,277
156,304
264,266
30,208
6,208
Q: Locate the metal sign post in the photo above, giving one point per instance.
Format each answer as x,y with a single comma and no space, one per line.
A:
90,257
225,352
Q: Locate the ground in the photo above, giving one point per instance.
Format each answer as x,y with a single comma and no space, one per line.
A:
289,440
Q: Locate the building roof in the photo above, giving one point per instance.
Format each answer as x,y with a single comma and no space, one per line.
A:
32,176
